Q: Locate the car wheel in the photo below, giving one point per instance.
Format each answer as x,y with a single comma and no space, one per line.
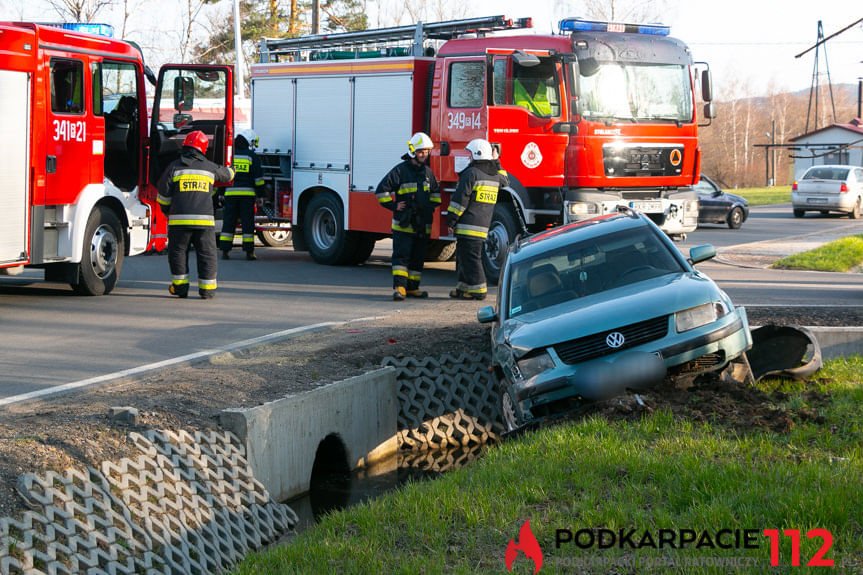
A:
509,409
735,218
799,213
855,213
102,257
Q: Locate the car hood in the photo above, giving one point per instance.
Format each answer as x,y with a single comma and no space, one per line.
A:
609,310
737,199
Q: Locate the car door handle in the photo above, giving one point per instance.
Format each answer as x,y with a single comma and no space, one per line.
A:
51,164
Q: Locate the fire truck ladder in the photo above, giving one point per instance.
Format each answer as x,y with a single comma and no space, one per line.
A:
410,38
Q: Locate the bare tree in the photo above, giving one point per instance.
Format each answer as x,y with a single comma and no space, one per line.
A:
79,10
637,11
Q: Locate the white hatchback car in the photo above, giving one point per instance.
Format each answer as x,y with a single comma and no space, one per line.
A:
829,188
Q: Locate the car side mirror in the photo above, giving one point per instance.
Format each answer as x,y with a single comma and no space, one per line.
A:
486,314
701,253
716,193
181,120
184,93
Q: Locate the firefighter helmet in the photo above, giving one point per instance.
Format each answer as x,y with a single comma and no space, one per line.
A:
197,140
419,141
479,149
250,136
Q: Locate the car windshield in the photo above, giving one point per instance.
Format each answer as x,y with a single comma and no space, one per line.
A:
825,173
637,92
584,268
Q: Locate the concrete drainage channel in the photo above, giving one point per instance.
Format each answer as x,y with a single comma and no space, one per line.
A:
198,503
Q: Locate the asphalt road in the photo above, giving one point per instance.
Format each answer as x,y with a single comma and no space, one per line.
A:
53,337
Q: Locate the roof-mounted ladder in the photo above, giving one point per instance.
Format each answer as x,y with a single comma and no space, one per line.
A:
272,48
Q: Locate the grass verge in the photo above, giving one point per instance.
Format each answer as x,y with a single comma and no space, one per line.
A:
842,255
660,472
764,196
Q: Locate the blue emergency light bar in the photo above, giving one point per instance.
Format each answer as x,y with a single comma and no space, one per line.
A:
579,25
88,27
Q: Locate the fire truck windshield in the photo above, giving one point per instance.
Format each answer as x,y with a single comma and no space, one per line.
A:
636,92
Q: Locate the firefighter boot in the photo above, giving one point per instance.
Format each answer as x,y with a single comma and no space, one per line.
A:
180,291
251,256
399,294
207,293
226,255
418,293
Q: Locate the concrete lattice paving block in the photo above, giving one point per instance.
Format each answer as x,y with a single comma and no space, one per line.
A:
188,504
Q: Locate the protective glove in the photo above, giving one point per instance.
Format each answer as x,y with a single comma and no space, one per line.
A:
451,220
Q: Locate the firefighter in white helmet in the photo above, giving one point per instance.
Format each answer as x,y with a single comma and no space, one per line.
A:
412,193
241,196
469,215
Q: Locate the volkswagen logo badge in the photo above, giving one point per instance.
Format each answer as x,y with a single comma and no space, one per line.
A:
614,339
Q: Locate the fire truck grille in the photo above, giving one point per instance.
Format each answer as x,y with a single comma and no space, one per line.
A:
641,161
596,345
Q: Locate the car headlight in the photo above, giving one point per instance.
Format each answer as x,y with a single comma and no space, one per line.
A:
581,209
698,316
535,364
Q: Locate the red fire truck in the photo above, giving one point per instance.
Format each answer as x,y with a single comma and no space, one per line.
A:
598,116
78,167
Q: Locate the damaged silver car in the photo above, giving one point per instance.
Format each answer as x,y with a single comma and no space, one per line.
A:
588,310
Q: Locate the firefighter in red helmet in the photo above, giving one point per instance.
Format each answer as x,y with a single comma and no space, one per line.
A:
186,198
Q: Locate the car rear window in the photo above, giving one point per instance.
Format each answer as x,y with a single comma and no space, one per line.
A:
823,173
588,267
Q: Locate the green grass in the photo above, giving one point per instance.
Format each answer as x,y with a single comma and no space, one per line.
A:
764,196
660,472
842,255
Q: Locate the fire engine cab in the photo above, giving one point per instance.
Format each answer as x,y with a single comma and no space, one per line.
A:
598,116
79,165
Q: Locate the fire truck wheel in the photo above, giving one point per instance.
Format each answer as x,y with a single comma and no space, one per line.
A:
275,238
324,230
440,251
503,229
102,258
365,245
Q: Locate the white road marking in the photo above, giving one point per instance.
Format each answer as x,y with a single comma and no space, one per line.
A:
173,362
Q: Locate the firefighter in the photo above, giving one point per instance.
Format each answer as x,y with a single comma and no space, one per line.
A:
241,197
186,198
469,215
412,193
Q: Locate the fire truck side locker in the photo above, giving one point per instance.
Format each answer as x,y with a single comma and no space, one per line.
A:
14,178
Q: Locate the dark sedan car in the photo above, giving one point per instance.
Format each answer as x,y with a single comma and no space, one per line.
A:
718,207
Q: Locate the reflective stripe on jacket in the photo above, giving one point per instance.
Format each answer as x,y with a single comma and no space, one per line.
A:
415,185
185,189
248,174
473,202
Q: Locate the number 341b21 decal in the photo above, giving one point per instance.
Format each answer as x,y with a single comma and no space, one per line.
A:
68,131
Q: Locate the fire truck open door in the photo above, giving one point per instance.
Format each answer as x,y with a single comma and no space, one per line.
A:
188,97
14,162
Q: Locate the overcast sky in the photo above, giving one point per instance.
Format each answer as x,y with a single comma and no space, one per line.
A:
754,41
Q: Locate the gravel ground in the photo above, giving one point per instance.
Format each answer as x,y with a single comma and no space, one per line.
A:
75,431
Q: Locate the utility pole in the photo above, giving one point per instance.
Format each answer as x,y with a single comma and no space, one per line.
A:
238,47
316,16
